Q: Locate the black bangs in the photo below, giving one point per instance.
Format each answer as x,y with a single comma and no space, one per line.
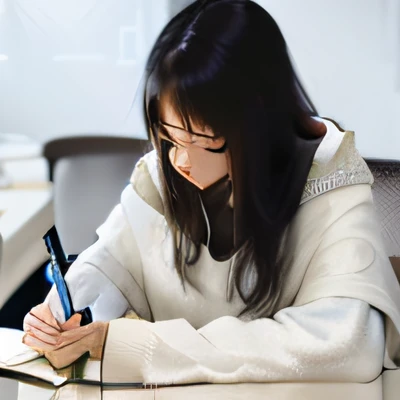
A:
211,104
204,94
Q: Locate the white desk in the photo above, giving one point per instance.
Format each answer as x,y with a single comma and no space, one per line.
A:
26,213
385,387
379,389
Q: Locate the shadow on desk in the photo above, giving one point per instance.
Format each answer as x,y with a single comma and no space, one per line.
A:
32,292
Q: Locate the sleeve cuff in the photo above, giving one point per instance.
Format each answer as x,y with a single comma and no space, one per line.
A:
128,351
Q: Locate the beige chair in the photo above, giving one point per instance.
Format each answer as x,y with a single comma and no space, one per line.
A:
386,192
89,174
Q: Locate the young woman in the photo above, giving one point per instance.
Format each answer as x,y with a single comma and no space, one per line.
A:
247,241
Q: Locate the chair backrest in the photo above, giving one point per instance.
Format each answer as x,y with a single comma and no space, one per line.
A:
386,192
88,174
1,248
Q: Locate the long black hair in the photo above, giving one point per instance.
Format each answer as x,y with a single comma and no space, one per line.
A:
224,64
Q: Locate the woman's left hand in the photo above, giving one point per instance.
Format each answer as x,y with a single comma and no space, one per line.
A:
69,342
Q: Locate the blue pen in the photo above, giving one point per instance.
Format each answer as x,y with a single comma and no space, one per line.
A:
61,288
54,248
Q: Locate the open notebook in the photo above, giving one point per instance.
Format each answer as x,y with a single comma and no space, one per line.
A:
18,361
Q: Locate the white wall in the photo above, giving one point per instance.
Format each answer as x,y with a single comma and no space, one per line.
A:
347,54
66,66
73,66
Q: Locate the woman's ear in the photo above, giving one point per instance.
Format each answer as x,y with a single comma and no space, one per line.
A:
335,123
318,128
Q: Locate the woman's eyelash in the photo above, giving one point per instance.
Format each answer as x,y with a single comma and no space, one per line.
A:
220,150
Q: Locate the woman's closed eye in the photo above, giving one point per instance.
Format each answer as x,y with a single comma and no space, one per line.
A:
220,150
184,138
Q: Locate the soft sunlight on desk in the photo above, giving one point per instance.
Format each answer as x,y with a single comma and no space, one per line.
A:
27,215
26,211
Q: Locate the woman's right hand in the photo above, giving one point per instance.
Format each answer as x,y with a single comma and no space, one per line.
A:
40,324
62,344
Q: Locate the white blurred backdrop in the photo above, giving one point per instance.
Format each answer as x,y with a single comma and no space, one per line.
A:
348,55
72,67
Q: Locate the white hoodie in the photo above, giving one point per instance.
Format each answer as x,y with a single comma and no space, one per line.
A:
339,295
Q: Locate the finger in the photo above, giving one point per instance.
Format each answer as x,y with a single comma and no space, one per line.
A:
65,356
43,312
67,338
73,323
92,342
92,335
43,336
35,340
72,336
36,344
31,321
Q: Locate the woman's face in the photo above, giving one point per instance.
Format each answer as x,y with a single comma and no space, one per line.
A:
198,156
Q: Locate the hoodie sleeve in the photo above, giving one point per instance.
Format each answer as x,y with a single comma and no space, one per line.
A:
332,339
107,277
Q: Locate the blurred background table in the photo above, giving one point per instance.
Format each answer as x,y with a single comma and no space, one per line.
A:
26,211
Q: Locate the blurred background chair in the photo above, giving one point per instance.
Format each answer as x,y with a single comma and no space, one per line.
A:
1,246
386,192
88,174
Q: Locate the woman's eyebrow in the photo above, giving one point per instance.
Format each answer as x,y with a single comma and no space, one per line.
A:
182,129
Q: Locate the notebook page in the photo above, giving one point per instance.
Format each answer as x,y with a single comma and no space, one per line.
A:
12,350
